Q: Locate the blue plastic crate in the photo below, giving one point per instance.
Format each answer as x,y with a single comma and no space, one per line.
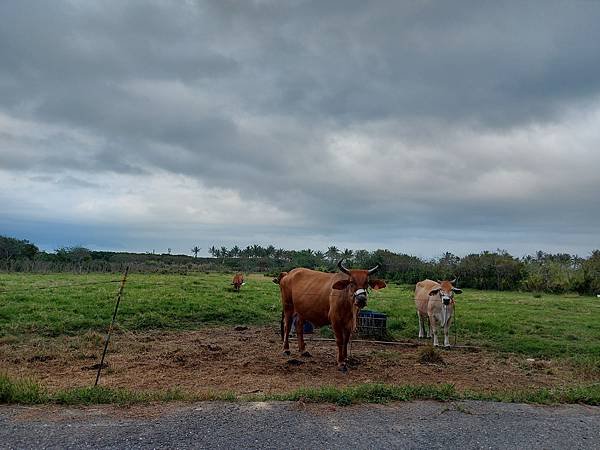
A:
371,324
308,327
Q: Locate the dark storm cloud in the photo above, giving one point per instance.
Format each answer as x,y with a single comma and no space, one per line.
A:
443,106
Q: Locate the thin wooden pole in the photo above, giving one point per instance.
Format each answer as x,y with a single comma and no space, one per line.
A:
110,328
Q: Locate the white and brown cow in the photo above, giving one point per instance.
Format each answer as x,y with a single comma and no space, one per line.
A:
435,303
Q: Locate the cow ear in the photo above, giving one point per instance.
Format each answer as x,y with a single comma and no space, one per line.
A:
377,284
341,285
457,290
434,292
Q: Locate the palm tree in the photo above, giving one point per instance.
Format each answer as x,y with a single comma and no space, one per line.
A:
347,253
196,250
224,253
320,256
332,253
279,253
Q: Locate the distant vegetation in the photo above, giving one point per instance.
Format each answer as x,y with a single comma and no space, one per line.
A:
488,270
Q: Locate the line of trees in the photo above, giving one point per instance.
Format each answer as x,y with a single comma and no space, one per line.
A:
497,270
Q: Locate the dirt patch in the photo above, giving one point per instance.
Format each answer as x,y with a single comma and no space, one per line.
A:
251,361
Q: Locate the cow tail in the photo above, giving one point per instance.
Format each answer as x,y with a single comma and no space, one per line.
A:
281,323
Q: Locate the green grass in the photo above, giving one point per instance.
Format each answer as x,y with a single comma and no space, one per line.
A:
370,393
63,304
546,327
383,393
53,305
29,392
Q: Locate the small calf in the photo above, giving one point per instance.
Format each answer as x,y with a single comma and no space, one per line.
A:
435,302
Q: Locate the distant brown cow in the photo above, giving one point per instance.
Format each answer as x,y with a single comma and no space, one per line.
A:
238,281
435,303
322,299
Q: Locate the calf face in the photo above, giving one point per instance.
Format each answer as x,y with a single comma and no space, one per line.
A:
446,291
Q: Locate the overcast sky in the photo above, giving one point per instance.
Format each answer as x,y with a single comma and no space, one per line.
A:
418,126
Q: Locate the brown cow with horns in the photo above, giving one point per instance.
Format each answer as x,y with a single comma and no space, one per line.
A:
322,299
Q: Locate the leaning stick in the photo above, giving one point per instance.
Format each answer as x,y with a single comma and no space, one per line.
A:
110,328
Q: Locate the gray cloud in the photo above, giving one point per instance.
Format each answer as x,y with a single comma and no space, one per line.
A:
426,118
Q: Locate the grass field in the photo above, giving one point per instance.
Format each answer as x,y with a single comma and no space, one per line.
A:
50,325
53,305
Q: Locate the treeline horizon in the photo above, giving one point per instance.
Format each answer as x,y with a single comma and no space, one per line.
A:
487,270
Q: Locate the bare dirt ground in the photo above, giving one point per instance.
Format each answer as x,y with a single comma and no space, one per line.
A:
250,361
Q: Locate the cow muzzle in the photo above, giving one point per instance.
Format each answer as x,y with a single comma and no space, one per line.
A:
446,300
360,298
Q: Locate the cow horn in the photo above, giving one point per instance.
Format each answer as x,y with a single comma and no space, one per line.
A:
454,281
374,269
342,268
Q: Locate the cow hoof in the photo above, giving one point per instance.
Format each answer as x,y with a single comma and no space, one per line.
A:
447,345
343,369
286,353
306,354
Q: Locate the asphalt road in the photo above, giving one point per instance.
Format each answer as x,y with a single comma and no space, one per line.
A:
280,425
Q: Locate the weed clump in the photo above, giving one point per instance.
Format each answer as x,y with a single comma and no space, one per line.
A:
430,355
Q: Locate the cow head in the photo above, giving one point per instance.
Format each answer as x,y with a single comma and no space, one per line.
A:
279,277
359,281
446,291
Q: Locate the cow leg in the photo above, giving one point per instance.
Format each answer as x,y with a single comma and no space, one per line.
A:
287,326
342,354
433,328
341,349
421,325
428,327
447,334
300,336
347,337
355,313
